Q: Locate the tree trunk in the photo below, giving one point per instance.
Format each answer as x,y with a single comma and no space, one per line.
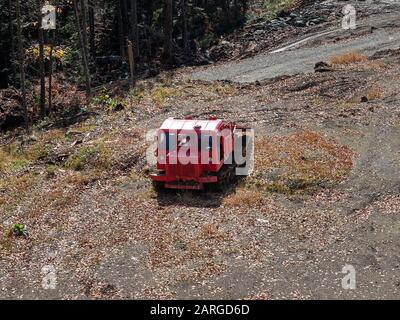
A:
125,19
21,62
92,30
83,51
134,26
185,35
83,4
120,29
149,19
168,29
12,40
52,38
42,103
131,59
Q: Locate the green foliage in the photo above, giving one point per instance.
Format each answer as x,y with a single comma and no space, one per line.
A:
104,99
38,151
136,94
17,165
272,7
77,160
206,41
20,230
51,171
73,70
98,156
160,94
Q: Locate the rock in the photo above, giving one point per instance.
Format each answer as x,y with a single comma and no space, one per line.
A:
299,23
315,21
322,67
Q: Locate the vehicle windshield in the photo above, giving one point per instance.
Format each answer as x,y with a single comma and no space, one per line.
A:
170,141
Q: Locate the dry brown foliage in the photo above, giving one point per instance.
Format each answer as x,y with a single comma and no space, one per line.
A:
299,161
348,58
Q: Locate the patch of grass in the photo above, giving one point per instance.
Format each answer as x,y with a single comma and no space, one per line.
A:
160,94
17,165
84,178
51,171
374,94
37,151
106,100
84,128
222,88
96,155
296,163
348,58
16,156
136,95
17,183
13,189
273,7
244,198
52,136
77,160
12,158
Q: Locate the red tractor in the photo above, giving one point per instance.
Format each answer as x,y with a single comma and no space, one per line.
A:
194,153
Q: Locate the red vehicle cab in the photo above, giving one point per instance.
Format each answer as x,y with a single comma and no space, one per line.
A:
191,153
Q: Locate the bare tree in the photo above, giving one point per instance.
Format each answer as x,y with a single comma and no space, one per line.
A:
83,10
52,37
21,61
120,29
185,36
12,40
92,29
41,63
134,26
83,50
168,29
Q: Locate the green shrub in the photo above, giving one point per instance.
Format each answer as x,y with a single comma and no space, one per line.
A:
78,159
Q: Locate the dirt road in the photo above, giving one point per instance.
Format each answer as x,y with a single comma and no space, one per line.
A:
375,32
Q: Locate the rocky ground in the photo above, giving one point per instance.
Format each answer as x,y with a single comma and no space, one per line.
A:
324,194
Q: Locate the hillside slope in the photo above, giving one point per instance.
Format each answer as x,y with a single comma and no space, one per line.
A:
325,192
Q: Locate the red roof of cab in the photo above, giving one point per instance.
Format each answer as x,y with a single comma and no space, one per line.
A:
183,124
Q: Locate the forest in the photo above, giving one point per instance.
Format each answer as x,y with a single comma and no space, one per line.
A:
96,42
